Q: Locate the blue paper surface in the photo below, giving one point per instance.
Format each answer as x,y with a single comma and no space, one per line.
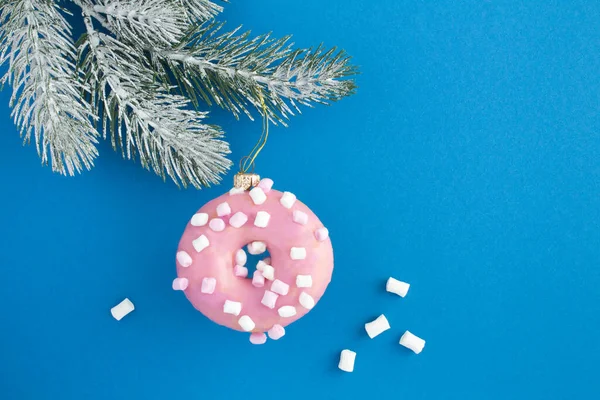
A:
468,164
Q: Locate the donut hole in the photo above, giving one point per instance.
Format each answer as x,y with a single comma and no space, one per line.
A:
253,259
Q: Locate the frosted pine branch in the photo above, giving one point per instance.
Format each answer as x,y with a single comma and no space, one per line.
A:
198,11
144,120
143,22
234,71
36,43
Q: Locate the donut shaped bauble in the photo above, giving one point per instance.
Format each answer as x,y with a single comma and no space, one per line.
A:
211,267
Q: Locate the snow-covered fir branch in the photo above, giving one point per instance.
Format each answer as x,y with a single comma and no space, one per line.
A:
198,11
36,43
236,71
146,121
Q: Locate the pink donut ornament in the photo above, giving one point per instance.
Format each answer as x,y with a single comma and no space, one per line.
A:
300,267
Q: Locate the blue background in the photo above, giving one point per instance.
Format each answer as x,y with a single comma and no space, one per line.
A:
467,165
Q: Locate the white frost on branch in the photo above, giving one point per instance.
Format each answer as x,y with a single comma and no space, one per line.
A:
146,121
36,43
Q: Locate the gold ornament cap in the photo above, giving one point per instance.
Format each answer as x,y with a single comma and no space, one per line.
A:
245,180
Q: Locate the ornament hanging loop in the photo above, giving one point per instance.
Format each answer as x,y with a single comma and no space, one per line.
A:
246,178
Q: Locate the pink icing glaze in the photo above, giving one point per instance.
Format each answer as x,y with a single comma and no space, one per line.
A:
218,261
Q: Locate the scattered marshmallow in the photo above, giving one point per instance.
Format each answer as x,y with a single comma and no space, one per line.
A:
238,219
208,285
122,309
200,243
321,234
258,196
240,257
240,271
199,219
258,280
398,287
232,307
287,311
306,301
298,253
217,224
184,259
304,281
246,323
269,299
180,283
276,332
255,248
412,342
265,184
223,209
280,287
378,326
258,338
347,358
268,272
235,191
262,219
300,217
261,265
288,199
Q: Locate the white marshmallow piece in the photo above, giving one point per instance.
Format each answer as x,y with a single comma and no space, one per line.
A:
269,299
276,332
255,248
184,259
257,279
235,191
232,307
268,272
306,301
238,219
288,199
300,217
378,326
258,196
287,311
262,219
217,224
398,287
347,358
199,219
412,342
240,271
246,323
261,265
180,283
240,257
304,281
122,309
208,285
280,287
200,243
223,209
298,253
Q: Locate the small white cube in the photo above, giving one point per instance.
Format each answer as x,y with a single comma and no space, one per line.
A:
397,287
269,299
300,217
288,199
200,243
246,323
412,342
199,219
223,209
287,311
256,248
122,309
235,191
184,259
262,219
378,326
208,285
304,281
306,301
240,257
258,196
268,272
232,307
347,358
298,253
280,287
